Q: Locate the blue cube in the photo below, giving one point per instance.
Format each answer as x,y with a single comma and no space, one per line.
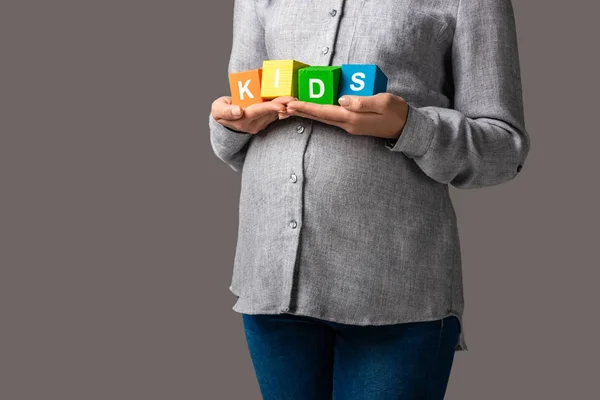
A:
362,80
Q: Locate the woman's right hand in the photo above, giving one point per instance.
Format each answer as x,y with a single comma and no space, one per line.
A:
251,119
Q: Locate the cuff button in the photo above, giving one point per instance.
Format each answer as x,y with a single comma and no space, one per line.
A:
519,168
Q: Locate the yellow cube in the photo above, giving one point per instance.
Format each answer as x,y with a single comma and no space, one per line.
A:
280,78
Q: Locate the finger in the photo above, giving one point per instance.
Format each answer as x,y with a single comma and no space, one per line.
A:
265,121
260,123
323,111
377,103
223,110
357,127
284,99
339,124
258,110
223,100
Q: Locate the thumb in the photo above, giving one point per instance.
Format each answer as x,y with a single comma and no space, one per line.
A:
232,112
358,103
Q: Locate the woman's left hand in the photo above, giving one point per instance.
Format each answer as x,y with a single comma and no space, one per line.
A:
381,115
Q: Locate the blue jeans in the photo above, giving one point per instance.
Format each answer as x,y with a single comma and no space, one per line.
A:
303,358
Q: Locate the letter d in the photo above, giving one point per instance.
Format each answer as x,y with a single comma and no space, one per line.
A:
311,83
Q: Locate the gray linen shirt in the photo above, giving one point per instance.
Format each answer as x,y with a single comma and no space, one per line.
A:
359,229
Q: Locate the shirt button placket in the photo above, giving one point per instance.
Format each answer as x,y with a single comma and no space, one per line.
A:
327,50
294,212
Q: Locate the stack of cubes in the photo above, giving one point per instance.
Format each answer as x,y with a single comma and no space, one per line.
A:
315,84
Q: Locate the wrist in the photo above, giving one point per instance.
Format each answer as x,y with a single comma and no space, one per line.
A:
396,135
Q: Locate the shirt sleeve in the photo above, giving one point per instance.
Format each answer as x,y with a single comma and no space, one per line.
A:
248,52
482,140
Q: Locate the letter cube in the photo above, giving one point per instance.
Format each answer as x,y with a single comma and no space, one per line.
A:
362,80
280,78
245,87
319,84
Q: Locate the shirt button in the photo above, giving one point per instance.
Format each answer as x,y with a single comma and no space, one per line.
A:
333,13
325,50
300,129
293,178
286,309
293,224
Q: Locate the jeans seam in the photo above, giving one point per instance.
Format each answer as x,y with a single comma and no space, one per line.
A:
435,359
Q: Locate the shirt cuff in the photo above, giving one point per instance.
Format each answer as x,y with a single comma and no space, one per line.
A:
416,135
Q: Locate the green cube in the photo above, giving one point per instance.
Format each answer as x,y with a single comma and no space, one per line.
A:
319,84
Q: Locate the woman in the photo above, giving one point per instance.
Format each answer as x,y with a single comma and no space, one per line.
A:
348,266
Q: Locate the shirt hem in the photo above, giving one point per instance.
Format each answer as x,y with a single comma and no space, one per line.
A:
461,344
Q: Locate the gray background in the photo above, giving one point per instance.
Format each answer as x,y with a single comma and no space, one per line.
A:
118,223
